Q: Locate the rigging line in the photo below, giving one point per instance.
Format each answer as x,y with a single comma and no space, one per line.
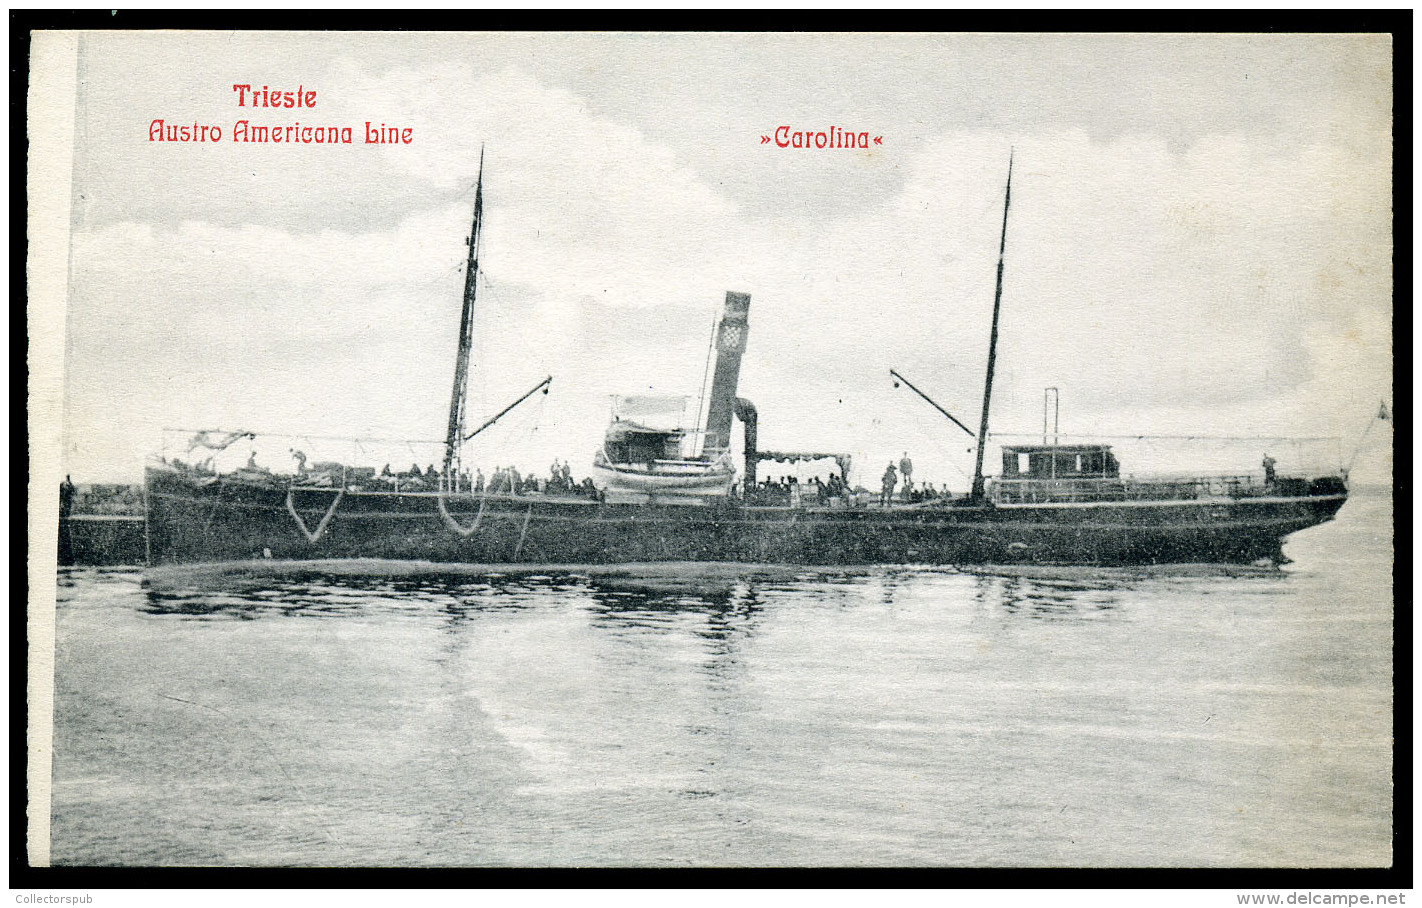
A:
705,374
1147,437
536,418
1358,448
521,428
308,437
456,268
497,416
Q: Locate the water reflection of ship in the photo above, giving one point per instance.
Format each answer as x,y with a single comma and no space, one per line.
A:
1079,592
720,611
662,501
1049,599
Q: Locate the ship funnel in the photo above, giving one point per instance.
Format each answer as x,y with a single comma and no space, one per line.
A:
730,344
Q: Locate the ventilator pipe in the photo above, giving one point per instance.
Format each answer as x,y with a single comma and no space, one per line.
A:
746,413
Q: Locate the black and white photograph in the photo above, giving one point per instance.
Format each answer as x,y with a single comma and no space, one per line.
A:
711,450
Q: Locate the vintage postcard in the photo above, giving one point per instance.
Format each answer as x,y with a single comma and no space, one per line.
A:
710,450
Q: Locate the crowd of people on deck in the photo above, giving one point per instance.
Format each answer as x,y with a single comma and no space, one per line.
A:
788,490
509,481
908,493
896,485
504,480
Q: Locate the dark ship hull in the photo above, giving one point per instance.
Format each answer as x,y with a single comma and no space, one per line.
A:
93,539
190,520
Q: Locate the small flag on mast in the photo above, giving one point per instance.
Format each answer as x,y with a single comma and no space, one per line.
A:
1382,411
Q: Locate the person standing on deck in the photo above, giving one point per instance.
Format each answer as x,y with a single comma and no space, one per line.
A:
891,479
906,470
67,494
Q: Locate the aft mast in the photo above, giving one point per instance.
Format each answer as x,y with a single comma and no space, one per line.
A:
978,484
458,397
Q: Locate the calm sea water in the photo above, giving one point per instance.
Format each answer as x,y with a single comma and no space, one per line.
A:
721,716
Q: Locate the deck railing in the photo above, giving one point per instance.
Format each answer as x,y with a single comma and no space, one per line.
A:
1184,488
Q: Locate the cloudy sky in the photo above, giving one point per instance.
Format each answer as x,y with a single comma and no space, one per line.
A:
1199,243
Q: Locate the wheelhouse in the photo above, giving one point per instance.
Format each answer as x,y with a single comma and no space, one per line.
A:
1059,462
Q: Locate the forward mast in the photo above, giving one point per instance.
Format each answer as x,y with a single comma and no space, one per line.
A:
458,399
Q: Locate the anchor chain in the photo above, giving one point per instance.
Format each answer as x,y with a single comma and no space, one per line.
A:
312,536
454,526
523,533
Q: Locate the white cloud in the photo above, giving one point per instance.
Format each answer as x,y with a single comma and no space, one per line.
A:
1233,285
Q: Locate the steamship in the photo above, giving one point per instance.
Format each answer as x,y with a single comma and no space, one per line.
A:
658,498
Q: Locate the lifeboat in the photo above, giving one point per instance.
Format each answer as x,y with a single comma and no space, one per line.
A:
640,464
